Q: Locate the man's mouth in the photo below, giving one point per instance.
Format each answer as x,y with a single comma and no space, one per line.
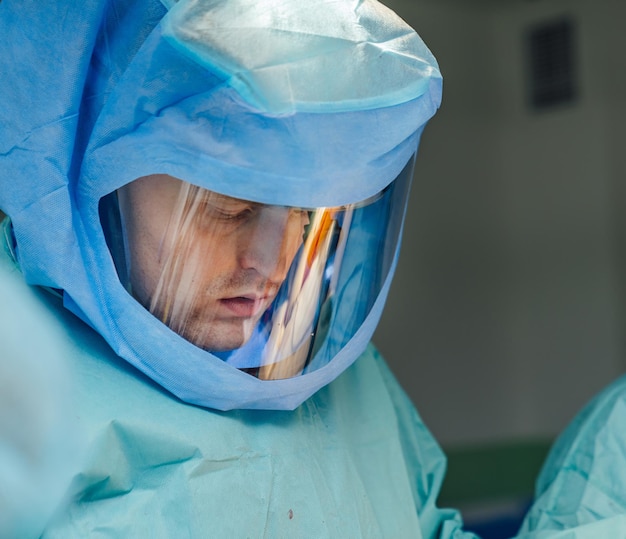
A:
245,306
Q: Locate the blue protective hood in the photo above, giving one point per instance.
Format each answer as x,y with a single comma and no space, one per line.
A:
306,103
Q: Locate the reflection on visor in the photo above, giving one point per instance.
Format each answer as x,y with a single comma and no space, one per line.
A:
251,283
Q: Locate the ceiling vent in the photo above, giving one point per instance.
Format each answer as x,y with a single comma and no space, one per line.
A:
551,63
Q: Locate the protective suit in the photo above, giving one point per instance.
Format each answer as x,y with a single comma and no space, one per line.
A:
38,441
213,191
581,491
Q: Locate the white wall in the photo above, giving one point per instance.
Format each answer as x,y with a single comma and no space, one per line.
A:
506,312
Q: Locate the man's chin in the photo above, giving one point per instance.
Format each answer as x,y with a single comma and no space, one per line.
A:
223,338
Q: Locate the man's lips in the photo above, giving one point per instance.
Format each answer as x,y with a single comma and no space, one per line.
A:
245,306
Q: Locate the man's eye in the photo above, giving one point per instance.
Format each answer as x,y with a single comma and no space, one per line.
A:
230,212
229,215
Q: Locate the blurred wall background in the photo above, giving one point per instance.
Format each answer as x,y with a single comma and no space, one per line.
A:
507,311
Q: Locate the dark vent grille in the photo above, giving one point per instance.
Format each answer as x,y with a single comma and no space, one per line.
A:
552,63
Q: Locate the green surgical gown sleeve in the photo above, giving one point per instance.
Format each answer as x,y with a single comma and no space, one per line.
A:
355,460
581,491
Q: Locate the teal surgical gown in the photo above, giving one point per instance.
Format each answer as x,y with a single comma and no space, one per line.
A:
581,491
354,460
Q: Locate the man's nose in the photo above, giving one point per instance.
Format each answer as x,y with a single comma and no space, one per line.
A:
264,248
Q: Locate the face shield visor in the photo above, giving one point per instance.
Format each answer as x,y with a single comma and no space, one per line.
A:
274,291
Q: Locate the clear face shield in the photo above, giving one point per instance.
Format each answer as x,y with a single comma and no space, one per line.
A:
259,286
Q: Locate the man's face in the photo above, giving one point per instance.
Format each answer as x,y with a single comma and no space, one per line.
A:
206,264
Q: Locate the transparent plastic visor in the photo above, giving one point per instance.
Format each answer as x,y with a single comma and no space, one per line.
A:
256,285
